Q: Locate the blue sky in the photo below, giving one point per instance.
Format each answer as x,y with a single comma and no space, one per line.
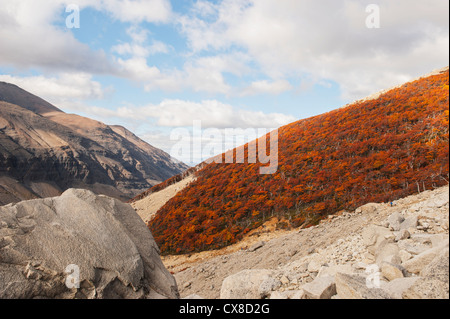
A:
157,65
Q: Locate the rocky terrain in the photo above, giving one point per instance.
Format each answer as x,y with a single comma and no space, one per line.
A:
79,245
44,151
396,250
377,251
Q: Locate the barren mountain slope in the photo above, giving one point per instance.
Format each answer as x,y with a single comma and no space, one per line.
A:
298,255
44,151
15,95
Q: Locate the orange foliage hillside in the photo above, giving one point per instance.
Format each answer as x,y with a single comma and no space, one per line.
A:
372,151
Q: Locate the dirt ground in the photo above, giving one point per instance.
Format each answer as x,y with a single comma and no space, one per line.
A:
203,273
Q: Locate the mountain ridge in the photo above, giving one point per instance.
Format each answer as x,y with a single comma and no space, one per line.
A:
13,94
44,151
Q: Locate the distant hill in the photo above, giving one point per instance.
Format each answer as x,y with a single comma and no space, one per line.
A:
375,150
44,151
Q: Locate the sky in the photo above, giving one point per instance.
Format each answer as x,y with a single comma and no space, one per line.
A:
158,66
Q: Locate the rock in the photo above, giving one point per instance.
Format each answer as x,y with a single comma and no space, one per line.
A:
245,284
427,288
187,285
320,288
413,249
391,271
417,263
404,255
373,236
360,266
367,209
256,246
397,287
409,223
356,287
96,243
424,239
395,220
316,263
439,239
387,252
284,280
278,295
268,285
438,268
331,271
290,294
194,296
402,235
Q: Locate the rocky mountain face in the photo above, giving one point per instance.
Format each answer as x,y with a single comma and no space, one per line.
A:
79,246
378,251
44,151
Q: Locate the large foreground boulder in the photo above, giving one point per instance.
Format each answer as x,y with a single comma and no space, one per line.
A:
79,245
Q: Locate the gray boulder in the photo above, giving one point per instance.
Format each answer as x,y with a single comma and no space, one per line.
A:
320,288
395,220
427,288
409,223
247,284
79,245
398,286
373,236
438,268
420,261
356,287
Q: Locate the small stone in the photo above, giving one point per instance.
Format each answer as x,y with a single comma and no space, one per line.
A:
194,296
355,287
187,285
360,266
268,285
409,223
256,246
320,288
278,295
284,280
391,271
395,220
396,287
404,255
402,235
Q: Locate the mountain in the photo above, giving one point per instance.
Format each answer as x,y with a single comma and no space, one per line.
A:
44,151
374,150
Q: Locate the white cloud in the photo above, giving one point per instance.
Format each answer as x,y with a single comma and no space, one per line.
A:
60,89
155,123
267,87
138,47
29,37
137,11
181,113
327,39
